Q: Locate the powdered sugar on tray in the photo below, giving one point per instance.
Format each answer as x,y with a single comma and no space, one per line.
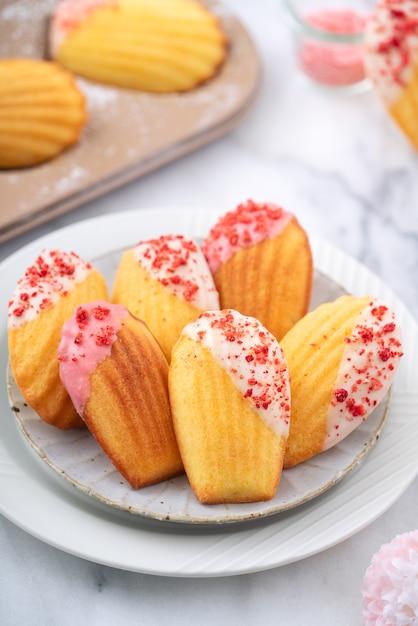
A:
24,10
75,175
98,96
15,18
66,183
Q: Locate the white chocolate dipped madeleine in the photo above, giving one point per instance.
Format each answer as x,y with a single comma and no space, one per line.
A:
42,112
230,400
261,261
44,298
158,46
116,374
165,282
391,61
342,359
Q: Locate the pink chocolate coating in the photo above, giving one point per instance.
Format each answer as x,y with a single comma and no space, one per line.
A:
246,226
86,340
69,14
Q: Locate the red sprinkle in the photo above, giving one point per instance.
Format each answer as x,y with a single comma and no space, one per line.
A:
366,334
100,312
379,311
389,328
385,354
340,395
104,336
356,410
81,316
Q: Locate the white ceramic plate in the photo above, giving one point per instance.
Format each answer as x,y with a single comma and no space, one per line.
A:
76,456
41,502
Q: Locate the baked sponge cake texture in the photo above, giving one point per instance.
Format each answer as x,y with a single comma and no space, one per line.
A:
261,261
44,298
116,375
42,112
167,283
230,399
391,61
342,358
149,45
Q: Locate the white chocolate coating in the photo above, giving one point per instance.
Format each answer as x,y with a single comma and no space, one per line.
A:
178,263
53,274
252,357
367,369
391,46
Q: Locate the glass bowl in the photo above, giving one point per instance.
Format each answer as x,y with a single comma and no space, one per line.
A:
328,41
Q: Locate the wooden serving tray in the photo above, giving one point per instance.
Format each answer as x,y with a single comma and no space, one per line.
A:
128,133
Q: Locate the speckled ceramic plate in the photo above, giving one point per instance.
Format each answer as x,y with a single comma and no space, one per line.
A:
39,501
76,456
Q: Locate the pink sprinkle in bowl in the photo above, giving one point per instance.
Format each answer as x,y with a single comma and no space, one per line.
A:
328,38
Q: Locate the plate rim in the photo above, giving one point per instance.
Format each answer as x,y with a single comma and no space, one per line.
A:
206,553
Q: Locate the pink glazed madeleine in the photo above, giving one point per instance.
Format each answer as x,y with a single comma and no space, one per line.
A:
261,261
116,375
391,61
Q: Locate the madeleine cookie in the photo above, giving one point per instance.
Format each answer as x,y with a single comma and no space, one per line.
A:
149,45
43,300
342,359
116,374
42,112
230,400
166,283
391,61
261,262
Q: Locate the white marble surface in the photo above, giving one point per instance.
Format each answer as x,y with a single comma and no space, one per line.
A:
340,164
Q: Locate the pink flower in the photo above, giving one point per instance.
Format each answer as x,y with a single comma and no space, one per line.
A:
390,585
